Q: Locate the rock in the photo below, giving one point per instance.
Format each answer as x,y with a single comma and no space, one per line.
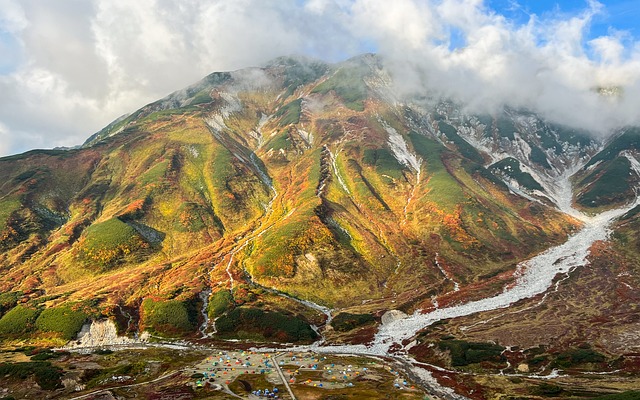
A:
411,345
69,382
523,368
392,315
102,333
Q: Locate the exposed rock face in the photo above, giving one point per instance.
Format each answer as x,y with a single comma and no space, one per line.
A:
102,333
392,315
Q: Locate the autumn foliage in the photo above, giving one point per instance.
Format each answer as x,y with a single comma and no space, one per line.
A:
111,241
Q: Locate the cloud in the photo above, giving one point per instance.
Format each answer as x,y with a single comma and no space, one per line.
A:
5,140
543,65
74,66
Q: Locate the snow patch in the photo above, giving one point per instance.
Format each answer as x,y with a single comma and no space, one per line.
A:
306,136
399,148
534,276
336,172
448,276
635,165
193,151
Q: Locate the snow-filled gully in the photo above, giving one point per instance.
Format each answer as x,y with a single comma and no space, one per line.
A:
534,276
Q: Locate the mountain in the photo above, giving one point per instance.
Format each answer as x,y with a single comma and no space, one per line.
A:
268,194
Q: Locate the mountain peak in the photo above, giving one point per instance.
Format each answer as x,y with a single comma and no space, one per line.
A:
263,184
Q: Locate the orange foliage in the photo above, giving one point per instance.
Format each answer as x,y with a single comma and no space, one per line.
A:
106,256
453,224
30,283
8,233
134,207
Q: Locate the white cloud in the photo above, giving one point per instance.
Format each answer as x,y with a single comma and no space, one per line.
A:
5,140
543,65
79,64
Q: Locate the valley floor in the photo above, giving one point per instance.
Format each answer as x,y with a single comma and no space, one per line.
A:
165,373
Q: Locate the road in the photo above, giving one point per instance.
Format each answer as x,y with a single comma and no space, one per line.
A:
165,376
286,383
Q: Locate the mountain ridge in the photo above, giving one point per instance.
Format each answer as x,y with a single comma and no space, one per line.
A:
312,179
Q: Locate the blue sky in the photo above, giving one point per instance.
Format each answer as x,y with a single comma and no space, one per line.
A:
69,67
617,14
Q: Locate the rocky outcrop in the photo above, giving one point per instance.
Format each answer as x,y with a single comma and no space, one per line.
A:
392,316
103,333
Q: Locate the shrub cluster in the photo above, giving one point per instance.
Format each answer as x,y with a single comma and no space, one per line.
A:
344,322
272,325
348,83
8,300
168,317
109,242
47,355
62,320
220,302
629,395
290,113
574,357
18,320
465,353
47,376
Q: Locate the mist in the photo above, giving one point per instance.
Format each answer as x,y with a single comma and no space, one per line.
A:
546,66
74,66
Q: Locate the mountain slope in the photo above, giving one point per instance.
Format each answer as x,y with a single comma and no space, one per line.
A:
311,179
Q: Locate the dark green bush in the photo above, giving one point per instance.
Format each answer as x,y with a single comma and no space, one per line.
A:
467,150
89,375
347,83
290,113
220,302
345,322
511,167
169,317
506,127
46,375
547,389
607,183
384,162
109,242
537,360
62,320
539,157
18,320
630,395
272,325
575,357
465,353
8,300
45,355
628,140
201,98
